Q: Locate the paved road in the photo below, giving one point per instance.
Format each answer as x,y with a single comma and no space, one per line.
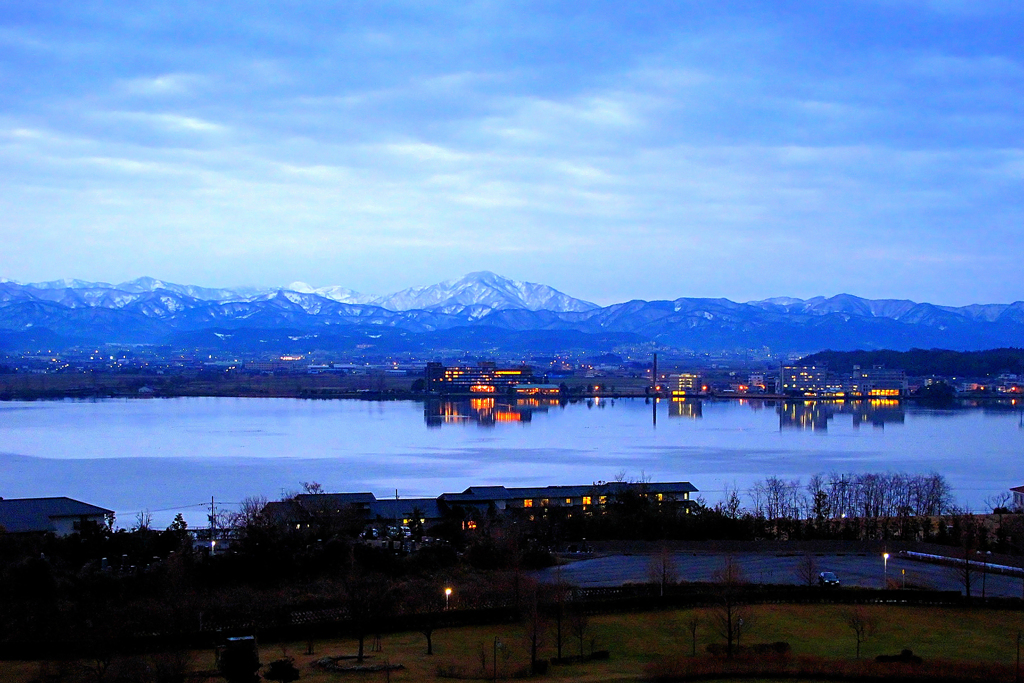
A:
863,570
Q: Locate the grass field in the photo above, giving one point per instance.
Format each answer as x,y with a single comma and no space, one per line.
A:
635,640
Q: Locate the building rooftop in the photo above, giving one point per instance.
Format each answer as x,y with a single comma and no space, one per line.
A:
24,515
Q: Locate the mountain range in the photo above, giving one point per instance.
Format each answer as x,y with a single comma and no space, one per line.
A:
478,312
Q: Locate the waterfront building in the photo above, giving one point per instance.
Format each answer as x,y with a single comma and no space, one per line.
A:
817,381
687,384
483,378
876,382
803,380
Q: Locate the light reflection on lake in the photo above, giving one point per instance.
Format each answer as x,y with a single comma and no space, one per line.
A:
165,454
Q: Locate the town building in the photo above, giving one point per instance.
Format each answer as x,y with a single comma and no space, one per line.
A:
538,390
803,380
687,384
61,516
817,381
876,382
483,378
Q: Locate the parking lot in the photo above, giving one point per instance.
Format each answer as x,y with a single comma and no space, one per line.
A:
853,569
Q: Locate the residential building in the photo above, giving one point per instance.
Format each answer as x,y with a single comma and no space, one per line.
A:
305,509
1018,497
61,516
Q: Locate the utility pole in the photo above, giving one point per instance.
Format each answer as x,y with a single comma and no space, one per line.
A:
213,526
654,376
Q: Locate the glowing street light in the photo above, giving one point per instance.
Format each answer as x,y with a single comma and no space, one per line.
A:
885,568
447,596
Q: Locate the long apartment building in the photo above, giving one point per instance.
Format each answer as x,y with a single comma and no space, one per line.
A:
477,500
480,379
817,381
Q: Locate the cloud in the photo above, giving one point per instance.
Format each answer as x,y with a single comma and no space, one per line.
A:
440,141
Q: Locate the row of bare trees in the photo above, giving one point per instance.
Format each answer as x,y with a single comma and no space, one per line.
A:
835,495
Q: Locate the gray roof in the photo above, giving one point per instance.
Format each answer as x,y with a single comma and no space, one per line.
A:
21,515
484,494
403,507
320,500
608,488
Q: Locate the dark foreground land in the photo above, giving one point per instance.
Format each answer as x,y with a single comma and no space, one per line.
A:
954,644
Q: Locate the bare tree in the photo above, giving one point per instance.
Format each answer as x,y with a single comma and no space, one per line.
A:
729,616
862,623
999,503
312,487
965,569
579,623
534,623
730,505
561,590
251,513
693,623
807,570
143,521
663,570
367,598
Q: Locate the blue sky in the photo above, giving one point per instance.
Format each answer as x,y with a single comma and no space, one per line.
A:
612,150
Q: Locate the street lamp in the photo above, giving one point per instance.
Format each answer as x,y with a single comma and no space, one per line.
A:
447,596
885,568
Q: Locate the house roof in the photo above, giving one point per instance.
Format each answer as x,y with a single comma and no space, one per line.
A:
1018,489
22,515
483,494
338,499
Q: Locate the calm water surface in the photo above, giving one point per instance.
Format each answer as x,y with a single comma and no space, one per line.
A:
165,455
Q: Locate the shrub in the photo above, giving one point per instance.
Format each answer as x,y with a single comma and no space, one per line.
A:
282,670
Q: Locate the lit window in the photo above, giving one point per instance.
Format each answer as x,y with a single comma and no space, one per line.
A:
568,501
586,500
528,503
603,500
661,497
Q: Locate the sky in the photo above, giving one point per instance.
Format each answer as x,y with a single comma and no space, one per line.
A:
612,150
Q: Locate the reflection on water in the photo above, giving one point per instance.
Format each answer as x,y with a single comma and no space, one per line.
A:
692,408
486,412
815,415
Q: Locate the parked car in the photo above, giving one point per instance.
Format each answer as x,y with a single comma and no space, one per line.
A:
826,579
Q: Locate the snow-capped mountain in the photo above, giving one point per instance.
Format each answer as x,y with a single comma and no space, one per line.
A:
483,308
335,293
483,289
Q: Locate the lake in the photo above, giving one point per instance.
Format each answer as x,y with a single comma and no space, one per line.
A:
170,455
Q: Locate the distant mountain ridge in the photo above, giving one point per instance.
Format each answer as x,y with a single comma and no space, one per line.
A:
147,310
